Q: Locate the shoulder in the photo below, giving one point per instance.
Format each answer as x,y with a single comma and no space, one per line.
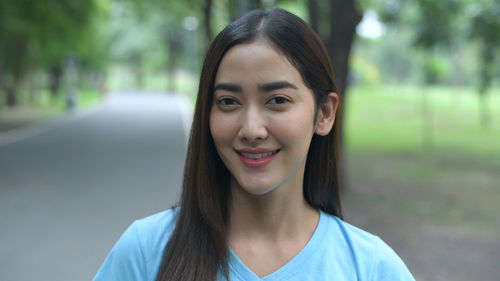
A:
370,256
149,233
352,236
138,252
157,225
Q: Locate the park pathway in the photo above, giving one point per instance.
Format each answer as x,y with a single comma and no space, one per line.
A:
70,188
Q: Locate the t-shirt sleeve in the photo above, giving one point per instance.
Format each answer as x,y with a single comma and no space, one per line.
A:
126,261
388,265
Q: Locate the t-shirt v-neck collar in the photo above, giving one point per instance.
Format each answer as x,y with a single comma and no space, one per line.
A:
242,272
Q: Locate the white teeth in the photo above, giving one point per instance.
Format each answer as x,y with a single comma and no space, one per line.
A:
258,155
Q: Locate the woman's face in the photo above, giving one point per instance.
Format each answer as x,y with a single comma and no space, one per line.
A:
262,118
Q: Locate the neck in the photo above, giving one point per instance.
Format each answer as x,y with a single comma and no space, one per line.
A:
276,215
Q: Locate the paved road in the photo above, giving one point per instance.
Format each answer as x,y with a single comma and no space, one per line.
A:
69,189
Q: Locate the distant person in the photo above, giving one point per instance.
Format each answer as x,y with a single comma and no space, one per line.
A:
260,197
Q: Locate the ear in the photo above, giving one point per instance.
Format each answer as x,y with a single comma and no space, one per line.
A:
326,115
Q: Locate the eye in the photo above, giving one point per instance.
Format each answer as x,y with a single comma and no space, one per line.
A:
227,102
278,100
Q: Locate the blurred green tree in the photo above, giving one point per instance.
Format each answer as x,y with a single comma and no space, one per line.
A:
485,29
40,35
169,27
443,27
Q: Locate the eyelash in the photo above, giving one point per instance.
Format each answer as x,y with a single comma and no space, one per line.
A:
282,98
223,101
228,102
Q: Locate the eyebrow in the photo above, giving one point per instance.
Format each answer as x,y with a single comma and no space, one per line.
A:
230,87
266,87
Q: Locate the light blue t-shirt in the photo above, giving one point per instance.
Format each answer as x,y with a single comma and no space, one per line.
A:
336,251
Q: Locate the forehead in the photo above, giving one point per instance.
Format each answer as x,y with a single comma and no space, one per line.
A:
258,61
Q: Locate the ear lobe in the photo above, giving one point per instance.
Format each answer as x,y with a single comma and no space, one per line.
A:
326,115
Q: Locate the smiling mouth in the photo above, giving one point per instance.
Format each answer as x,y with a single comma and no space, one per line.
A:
257,156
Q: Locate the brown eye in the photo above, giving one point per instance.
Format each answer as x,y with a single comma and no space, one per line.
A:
227,103
278,100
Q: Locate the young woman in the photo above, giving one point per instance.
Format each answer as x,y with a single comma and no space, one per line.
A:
260,196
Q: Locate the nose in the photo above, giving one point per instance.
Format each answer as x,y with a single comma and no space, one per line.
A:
253,125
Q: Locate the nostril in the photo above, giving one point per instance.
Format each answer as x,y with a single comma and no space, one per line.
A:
253,126
253,132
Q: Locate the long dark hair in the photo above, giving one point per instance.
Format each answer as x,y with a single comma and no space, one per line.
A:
197,249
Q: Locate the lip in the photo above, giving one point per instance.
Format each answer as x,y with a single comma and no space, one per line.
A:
260,162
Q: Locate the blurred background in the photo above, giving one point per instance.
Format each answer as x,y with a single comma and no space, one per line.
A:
96,99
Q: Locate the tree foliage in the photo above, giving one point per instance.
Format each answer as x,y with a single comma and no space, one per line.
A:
152,36
443,28
39,35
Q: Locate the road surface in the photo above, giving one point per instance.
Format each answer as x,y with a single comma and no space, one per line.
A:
69,188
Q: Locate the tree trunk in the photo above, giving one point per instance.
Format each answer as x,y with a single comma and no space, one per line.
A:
244,6
2,87
312,7
255,4
427,122
485,111
241,7
55,73
1,80
11,96
207,20
232,10
17,69
174,47
12,88
487,74
344,17
32,79
138,69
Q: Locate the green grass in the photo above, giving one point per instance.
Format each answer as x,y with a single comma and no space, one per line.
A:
390,118
454,182
89,98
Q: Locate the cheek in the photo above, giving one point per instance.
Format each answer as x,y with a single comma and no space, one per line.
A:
294,128
220,128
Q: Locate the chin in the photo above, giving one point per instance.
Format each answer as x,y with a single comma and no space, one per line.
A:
260,191
257,188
